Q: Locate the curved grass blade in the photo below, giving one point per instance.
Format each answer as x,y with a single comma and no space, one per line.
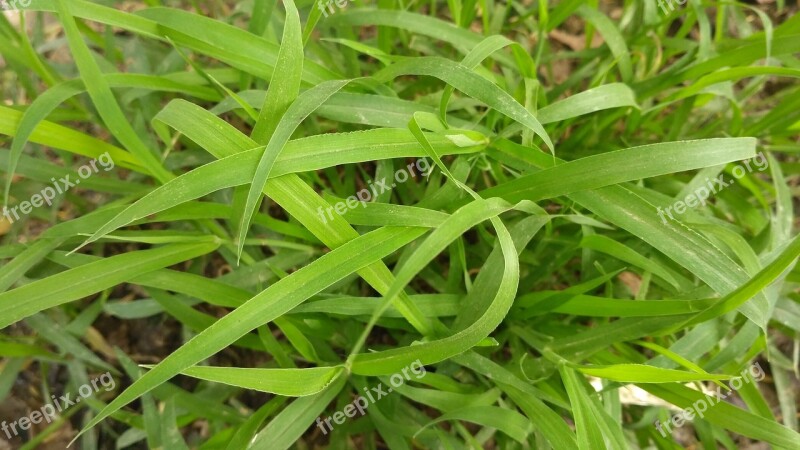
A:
549,423
509,422
727,415
104,99
285,82
48,101
641,373
590,436
235,170
60,137
624,253
300,201
462,39
91,278
607,96
271,303
390,361
623,165
284,430
305,104
612,37
288,382
480,52
471,84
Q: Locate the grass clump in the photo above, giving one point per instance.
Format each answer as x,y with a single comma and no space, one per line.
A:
461,224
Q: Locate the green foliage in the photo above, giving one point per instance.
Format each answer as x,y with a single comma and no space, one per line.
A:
531,270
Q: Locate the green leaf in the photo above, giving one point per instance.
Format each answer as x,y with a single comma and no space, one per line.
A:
468,82
299,110
91,278
288,382
264,307
104,100
509,422
640,373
